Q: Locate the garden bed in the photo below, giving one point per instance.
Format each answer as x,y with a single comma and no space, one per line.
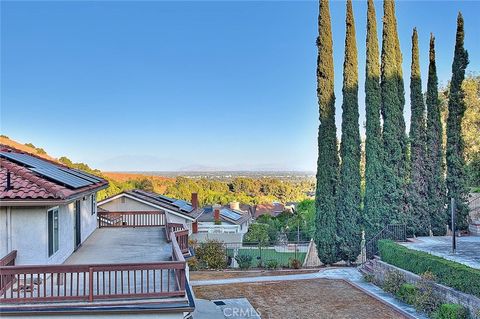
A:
317,298
227,274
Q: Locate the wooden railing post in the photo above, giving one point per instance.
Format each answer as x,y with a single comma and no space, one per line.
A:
90,284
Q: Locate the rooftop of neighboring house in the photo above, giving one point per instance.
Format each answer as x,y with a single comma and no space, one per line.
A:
29,178
234,213
187,209
272,209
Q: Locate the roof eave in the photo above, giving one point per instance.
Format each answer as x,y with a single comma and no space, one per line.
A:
31,202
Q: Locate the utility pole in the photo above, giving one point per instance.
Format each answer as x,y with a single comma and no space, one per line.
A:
454,240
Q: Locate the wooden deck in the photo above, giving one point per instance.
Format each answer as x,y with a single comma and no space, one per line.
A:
123,245
114,263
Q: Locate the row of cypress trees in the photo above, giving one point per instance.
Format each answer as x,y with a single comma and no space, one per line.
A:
402,184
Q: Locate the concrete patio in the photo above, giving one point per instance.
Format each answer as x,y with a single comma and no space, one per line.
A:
468,248
123,245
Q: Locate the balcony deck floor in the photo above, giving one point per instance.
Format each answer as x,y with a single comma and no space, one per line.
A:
109,246
123,245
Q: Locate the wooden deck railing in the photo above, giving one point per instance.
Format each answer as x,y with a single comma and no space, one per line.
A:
53,283
131,219
8,260
178,231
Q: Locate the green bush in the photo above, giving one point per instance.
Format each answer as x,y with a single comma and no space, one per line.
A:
271,264
407,293
244,261
450,311
426,298
212,254
448,273
193,264
393,281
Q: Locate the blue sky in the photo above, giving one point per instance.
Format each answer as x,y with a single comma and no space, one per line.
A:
176,85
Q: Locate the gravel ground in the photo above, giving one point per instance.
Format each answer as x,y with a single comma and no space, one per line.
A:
314,298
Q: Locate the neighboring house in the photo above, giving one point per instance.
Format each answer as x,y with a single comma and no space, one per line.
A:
217,219
60,257
176,210
47,210
273,209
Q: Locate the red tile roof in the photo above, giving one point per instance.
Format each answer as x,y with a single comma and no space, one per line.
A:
28,185
273,209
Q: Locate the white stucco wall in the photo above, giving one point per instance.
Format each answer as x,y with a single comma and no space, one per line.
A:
116,205
25,229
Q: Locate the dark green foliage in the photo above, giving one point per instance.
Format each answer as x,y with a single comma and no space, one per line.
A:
427,299
419,218
257,233
271,264
448,273
374,217
212,254
393,122
451,311
328,162
348,198
456,108
244,261
434,165
407,293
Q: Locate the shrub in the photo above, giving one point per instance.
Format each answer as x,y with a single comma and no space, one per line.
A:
244,261
393,281
449,273
426,298
407,293
212,253
451,311
271,264
295,263
193,264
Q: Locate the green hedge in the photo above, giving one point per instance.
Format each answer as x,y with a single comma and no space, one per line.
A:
450,311
448,273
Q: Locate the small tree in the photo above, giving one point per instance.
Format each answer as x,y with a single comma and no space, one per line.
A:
257,233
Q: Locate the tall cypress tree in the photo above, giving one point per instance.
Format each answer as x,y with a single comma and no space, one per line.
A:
328,162
393,122
348,198
434,161
373,208
418,207
456,108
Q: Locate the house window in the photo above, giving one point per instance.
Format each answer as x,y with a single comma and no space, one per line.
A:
52,216
94,204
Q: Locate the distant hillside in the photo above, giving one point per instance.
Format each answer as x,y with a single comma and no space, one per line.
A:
28,148
213,188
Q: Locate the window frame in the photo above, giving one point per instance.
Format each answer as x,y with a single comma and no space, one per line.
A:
53,231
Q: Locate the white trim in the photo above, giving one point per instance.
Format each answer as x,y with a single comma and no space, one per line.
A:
100,203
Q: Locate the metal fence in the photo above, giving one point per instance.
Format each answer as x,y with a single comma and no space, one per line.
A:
272,255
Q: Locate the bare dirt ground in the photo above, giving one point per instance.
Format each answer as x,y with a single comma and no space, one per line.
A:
316,299
225,274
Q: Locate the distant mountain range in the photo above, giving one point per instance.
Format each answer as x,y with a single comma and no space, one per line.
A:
141,164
